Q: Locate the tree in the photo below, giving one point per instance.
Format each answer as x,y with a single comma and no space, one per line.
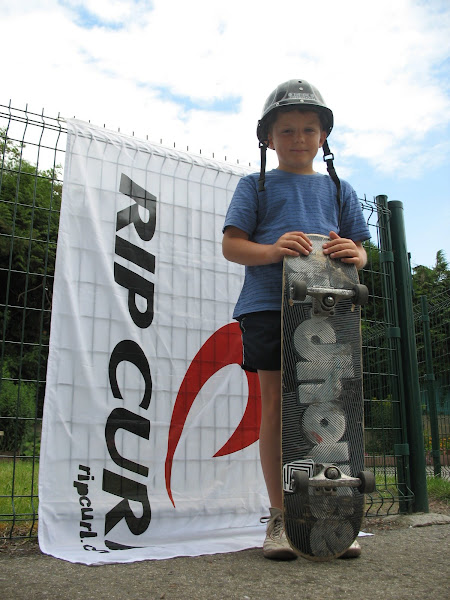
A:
30,200
17,409
374,321
434,283
430,281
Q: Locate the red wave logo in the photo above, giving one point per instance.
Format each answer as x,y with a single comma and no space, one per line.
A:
223,348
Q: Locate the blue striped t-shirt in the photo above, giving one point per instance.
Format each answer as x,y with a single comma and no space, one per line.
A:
291,202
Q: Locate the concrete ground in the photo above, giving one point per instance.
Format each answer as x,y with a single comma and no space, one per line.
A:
406,558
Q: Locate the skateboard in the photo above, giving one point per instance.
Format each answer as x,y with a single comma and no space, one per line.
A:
323,475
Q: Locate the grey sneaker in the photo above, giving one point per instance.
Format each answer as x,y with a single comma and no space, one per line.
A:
276,545
352,552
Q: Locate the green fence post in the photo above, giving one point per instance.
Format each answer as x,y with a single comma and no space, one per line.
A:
431,387
409,358
393,339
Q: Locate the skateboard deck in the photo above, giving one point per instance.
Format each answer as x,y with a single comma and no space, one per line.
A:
322,404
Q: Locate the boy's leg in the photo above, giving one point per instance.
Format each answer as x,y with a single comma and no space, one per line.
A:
276,544
270,434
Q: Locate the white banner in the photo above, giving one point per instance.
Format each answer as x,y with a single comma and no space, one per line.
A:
149,443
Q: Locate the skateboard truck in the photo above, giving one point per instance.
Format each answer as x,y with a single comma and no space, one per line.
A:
329,478
325,299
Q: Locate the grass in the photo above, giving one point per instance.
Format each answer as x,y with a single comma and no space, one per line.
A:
18,496
387,498
438,489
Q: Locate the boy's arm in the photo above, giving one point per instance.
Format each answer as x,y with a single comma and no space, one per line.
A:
346,250
236,247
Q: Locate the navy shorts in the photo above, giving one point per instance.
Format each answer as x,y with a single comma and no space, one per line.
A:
261,339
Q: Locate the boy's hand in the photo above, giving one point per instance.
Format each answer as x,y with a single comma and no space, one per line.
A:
292,243
239,249
345,250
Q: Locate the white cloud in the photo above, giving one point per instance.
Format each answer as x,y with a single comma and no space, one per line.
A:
376,64
106,13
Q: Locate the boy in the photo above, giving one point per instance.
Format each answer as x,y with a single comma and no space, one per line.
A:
268,219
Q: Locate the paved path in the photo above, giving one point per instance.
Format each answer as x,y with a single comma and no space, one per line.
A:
407,561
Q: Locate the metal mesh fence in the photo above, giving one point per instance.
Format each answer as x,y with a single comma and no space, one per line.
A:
31,149
432,316
31,175
384,424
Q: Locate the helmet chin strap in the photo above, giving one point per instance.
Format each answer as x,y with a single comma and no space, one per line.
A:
262,172
328,158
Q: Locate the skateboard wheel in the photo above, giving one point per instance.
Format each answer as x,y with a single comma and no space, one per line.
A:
299,290
300,482
361,296
367,482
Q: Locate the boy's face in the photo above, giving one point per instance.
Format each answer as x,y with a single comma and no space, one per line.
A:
296,137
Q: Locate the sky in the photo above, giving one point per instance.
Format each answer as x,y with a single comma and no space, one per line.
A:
196,73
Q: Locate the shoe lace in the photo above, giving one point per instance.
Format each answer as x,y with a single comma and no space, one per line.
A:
276,525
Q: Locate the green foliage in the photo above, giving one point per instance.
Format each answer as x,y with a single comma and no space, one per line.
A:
31,443
30,201
444,441
432,281
379,427
434,284
372,277
17,411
